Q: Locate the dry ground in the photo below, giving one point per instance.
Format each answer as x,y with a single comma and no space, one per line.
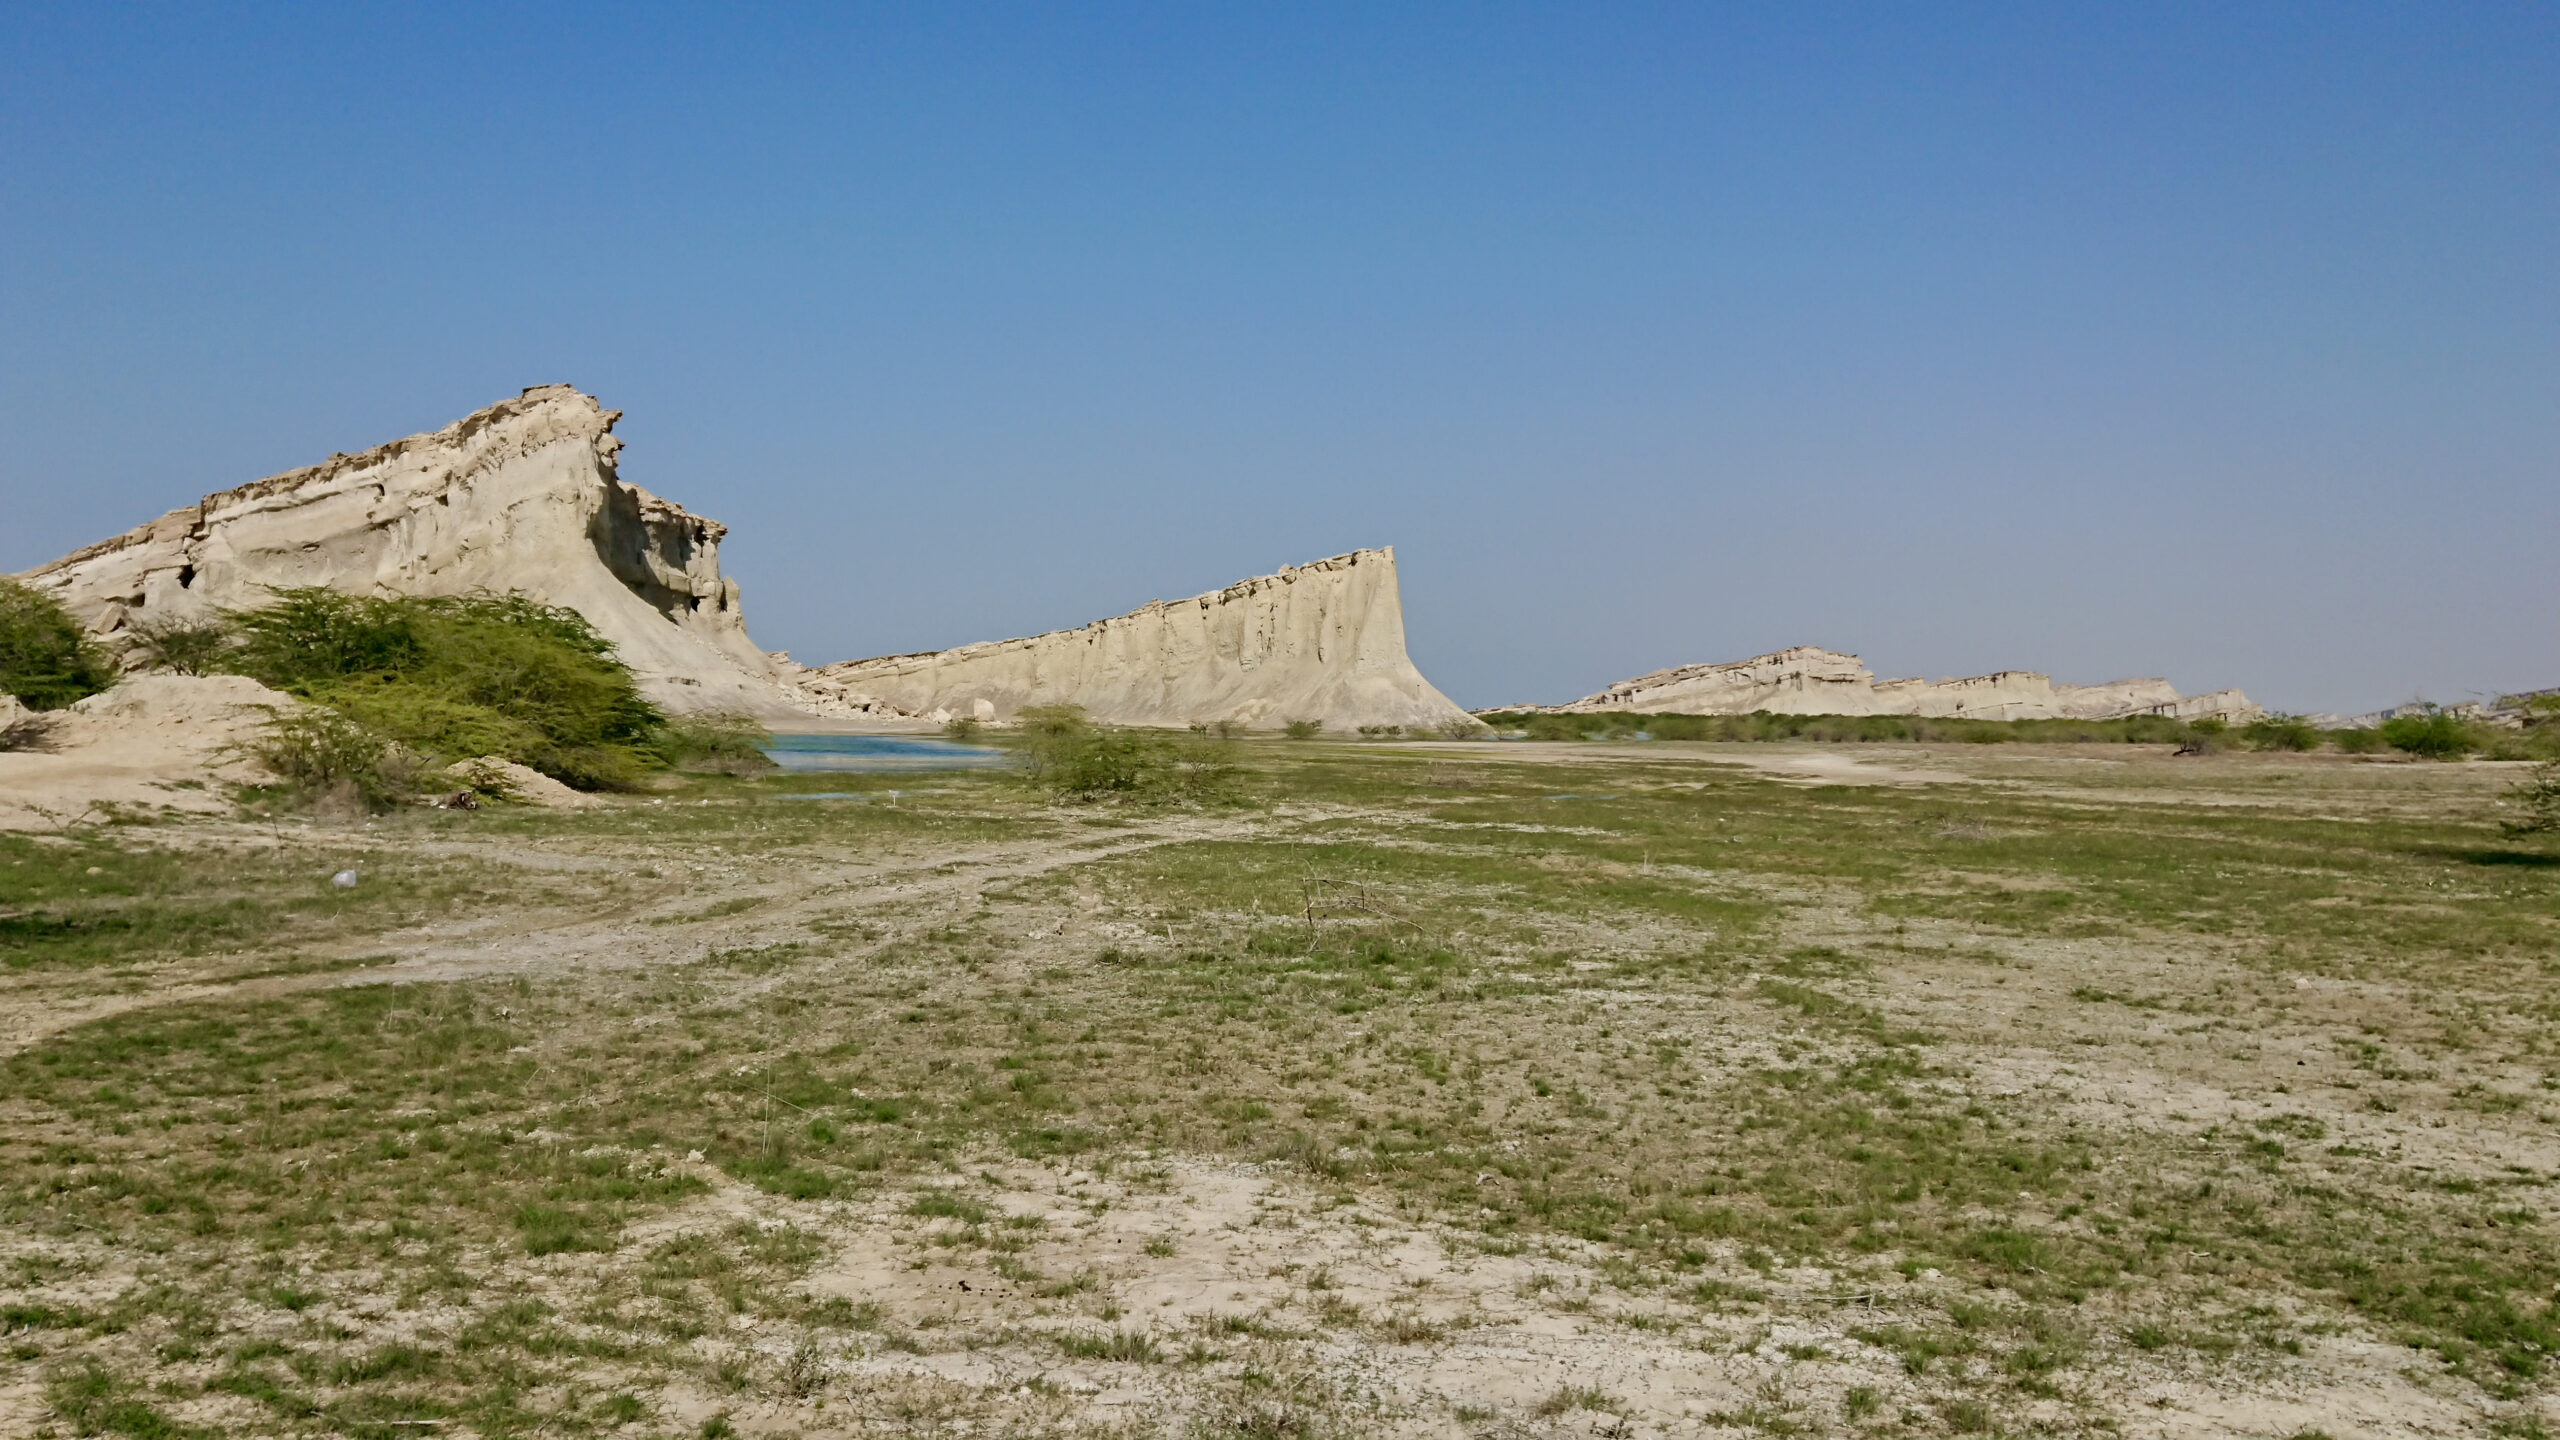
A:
1617,1090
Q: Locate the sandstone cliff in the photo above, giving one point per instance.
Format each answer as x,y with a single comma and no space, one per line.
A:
1808,680
520,496
1323,641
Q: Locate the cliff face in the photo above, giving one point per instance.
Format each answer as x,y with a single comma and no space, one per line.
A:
1808,680
520,496
1323,641
523,496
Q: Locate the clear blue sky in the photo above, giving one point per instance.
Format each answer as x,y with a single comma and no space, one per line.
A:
2214,342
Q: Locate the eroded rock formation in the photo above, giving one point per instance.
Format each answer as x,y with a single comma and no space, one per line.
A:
520,496
523,496
1809,680
1321,642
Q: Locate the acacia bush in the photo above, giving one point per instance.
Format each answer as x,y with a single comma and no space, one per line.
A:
451,677
182,647
717,744
2280,732
1067,754
321,757
46,659
2432,734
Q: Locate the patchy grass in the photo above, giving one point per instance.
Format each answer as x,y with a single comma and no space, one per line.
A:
1701,1034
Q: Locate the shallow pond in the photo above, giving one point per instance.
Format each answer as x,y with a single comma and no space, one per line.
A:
877,752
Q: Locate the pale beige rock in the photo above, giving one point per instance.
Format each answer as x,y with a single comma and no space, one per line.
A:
13,714
495,775
1809,680
522,496
155,742
1320,642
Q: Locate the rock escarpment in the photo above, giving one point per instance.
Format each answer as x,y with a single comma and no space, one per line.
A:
1323,641
521,496
1808,680
524,496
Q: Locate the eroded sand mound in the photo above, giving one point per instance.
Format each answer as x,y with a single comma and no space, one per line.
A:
1809,680
155,742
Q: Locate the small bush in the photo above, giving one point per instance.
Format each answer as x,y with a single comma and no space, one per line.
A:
46,659
2539,798
962,729
182,647
319,755
2359,740
719,744
1303,729
2280,732
2433,735
1067,754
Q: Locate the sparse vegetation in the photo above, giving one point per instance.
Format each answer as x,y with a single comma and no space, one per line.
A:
181,647
2537,802
1068,755
46,660
2281,732
711,744
1723,1069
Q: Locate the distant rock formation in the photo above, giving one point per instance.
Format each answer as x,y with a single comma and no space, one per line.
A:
523,496
1808,680
1323,641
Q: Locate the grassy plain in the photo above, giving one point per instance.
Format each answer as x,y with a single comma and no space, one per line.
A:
1440,1089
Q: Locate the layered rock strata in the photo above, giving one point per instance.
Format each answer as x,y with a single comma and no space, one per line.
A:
522,496
1323,642
1809,680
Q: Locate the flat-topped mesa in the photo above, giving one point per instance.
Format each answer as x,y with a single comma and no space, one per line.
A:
1323,642
1809,680
522,496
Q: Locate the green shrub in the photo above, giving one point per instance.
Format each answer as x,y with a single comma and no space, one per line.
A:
962,729
717,744
1065,753
453,677
1303,729
46,659
2432,734
2358,740
2539,800
184,647
2280,732
319,755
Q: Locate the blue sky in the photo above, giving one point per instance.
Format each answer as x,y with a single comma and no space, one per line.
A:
2214,342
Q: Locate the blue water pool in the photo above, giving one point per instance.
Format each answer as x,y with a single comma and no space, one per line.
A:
877,752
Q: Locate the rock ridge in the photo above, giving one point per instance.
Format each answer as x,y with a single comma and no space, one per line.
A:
1322,641
1810,680
525,495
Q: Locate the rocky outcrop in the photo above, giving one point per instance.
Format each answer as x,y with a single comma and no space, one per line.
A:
1320,642
1808,680
521,496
